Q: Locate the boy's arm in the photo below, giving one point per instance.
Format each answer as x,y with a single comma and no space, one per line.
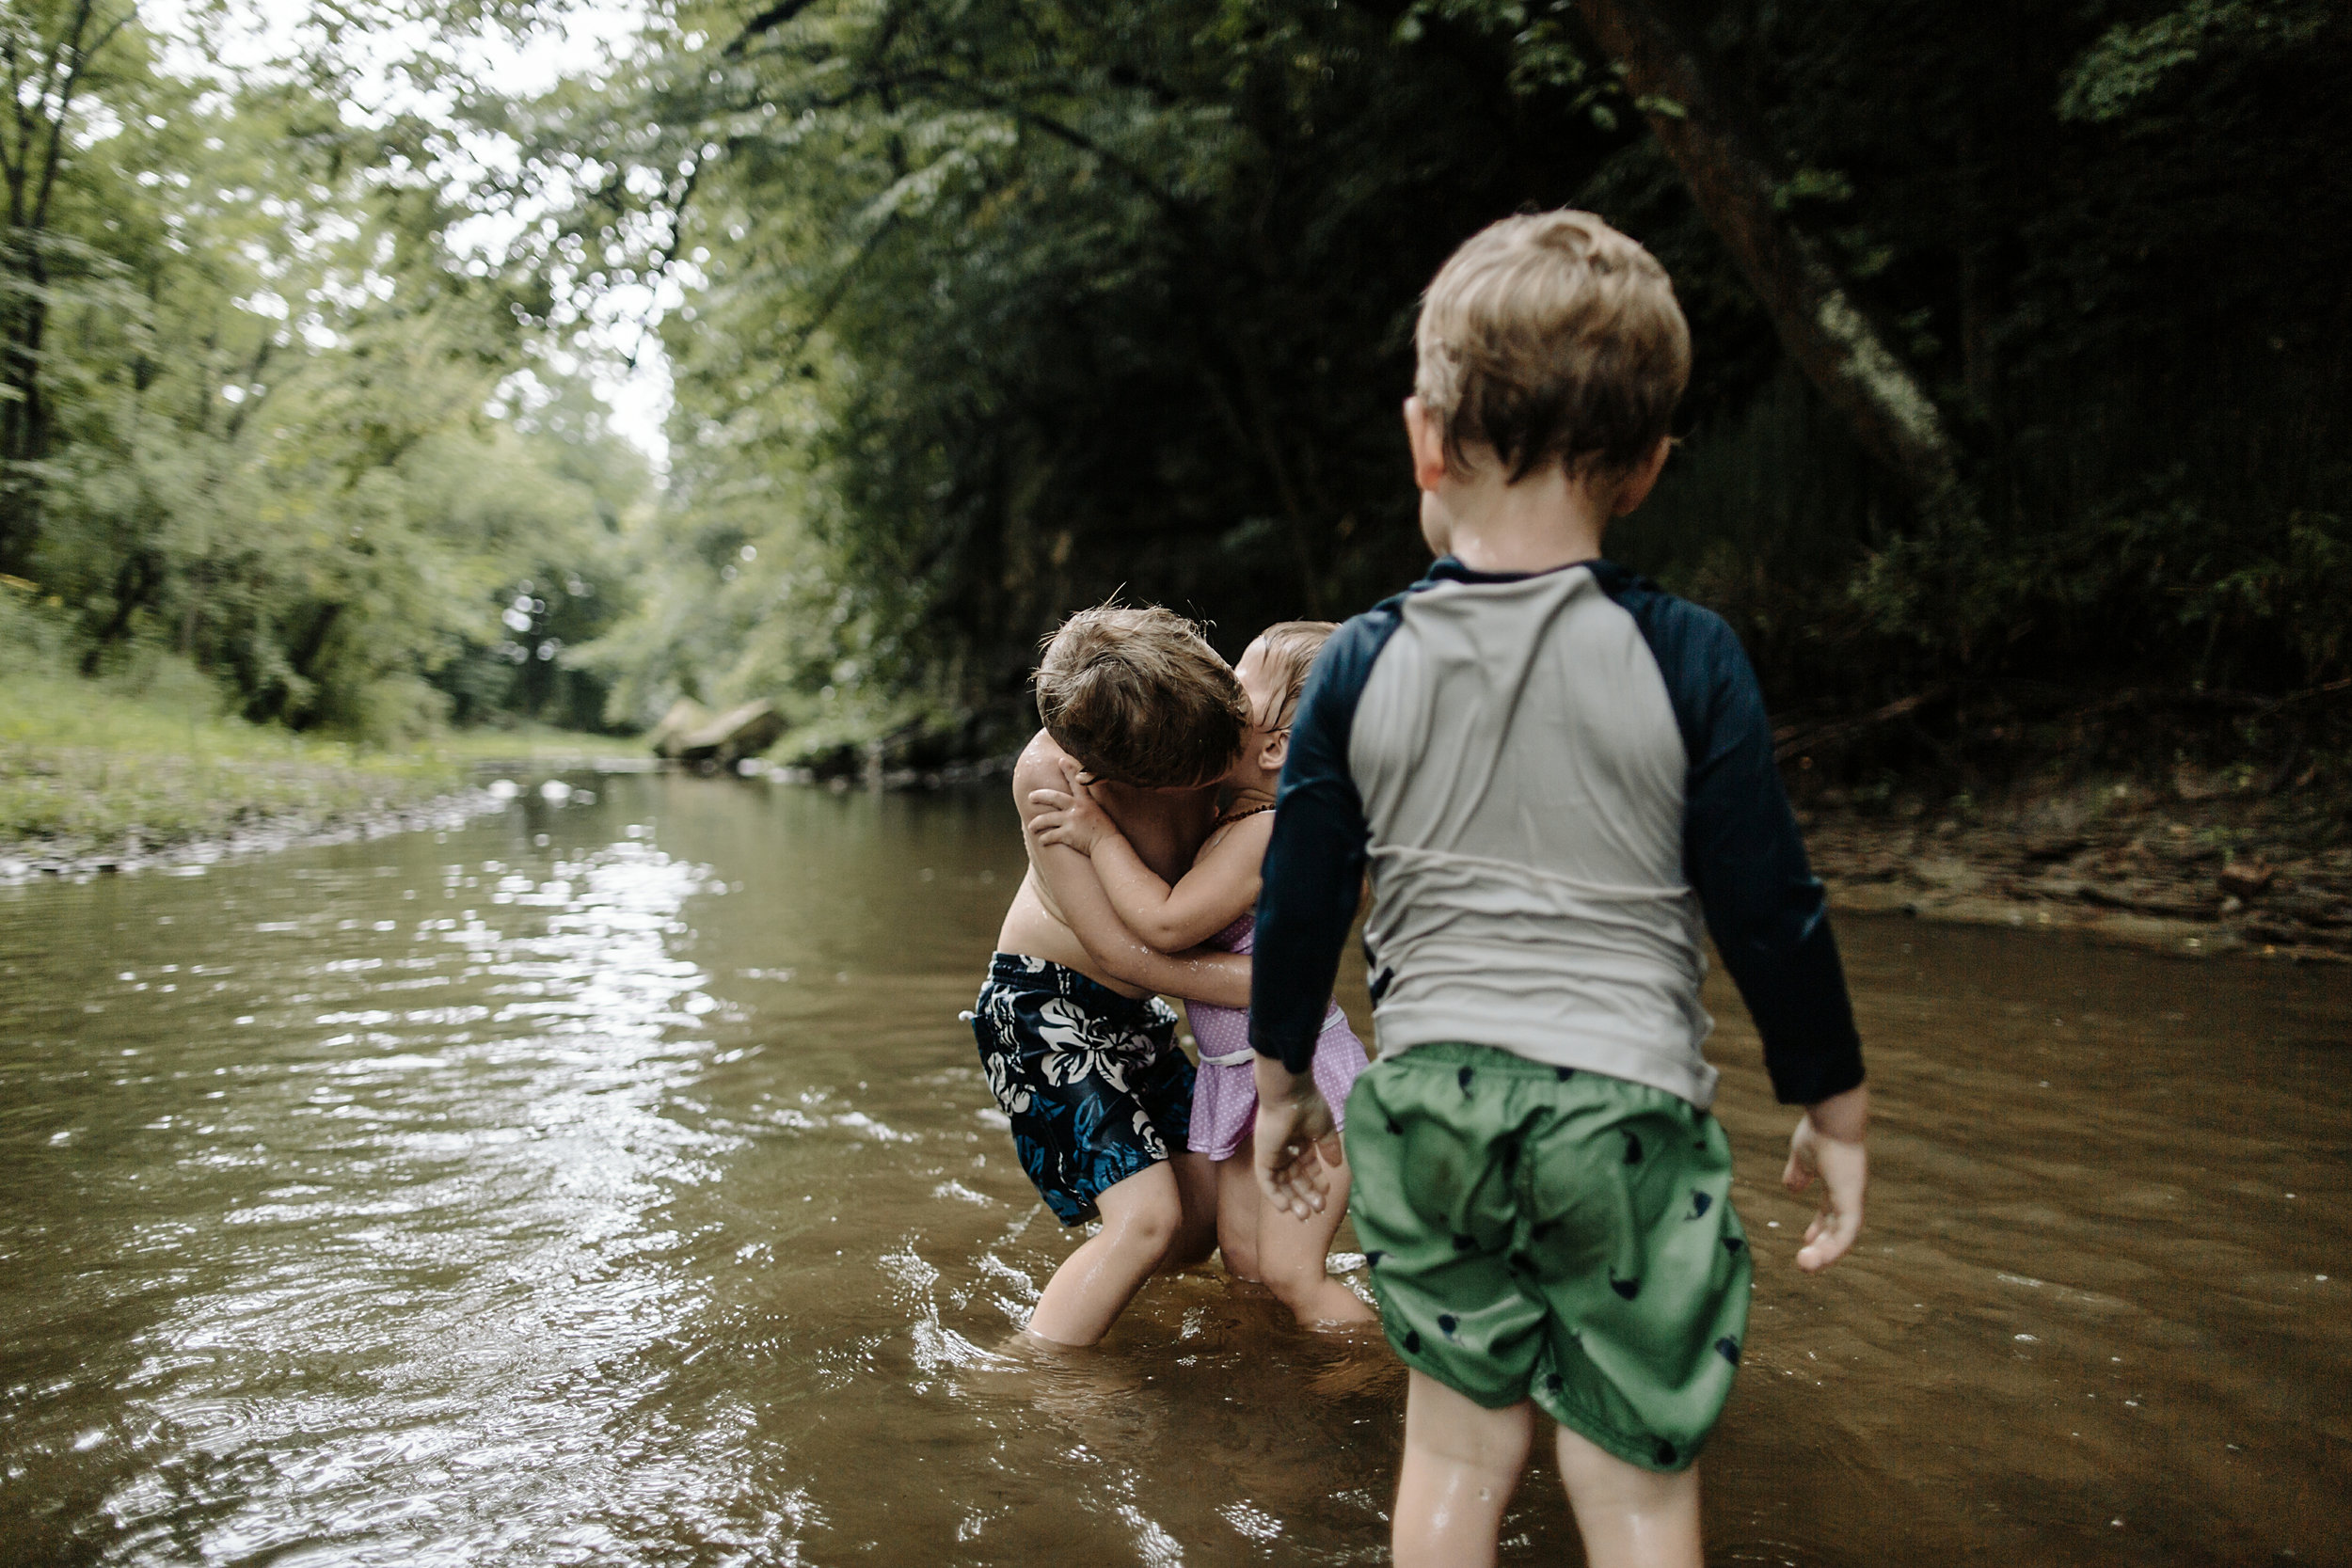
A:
1314,878
1746,859
1313,868
1220,887
1220,978
1770,918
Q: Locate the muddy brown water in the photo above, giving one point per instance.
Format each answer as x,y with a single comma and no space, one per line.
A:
611,1182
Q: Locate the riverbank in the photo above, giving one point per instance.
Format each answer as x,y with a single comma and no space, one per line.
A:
96,777
93,778
2195,868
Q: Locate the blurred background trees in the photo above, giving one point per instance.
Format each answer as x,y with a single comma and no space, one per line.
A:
995,308
981,309
261,412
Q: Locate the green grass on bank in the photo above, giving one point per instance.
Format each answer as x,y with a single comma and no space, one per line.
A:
122,765
534,747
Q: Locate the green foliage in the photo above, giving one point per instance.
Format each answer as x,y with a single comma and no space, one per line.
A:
2117,76
991,310
995,308
2105,236
265,379
988,309
141,758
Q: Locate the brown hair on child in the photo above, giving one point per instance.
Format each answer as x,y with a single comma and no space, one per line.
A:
1135,694
1551,337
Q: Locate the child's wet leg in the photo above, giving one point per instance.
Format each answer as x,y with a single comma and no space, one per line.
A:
1291,1255
1197,1196
1461,1463
1631,1517
1141,1217
1240,1210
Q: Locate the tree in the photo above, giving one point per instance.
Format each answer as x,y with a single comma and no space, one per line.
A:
52,51
997,309
286,426
989,309
1829,334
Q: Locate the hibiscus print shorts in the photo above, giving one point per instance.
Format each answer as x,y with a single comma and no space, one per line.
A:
1093,1080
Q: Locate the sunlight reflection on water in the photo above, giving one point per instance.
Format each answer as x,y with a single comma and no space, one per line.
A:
453,1253
611,1181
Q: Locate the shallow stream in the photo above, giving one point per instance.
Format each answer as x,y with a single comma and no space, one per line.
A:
610,1181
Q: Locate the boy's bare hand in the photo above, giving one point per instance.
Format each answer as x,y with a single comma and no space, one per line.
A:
1070,816
1828,1143
1297,1146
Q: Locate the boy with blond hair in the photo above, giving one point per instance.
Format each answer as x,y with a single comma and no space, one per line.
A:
1080,1052
1553,770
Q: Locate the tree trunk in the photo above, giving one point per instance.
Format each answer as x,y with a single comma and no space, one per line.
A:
30,163
1725,164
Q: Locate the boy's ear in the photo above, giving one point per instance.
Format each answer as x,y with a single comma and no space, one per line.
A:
1425,435
1638,484
1276,752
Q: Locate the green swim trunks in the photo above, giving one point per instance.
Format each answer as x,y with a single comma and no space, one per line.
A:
1539,1232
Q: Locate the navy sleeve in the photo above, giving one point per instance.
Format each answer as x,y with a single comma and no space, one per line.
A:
1315,862
1743,853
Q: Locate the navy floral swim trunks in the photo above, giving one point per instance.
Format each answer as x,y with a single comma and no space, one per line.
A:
1093,1080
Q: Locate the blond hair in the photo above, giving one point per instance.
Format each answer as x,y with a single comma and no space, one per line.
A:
1551,337
1291,647
1135,694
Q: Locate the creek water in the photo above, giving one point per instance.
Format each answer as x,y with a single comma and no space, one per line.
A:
611,1181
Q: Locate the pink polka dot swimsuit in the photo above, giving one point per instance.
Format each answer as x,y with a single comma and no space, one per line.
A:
1225,1096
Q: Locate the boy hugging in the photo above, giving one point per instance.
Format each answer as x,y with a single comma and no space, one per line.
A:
1080,1052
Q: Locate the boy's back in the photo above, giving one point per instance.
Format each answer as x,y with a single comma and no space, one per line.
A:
1552,773
1522,780
1547,772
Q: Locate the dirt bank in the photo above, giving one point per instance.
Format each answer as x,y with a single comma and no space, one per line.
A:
2193,869
2202,864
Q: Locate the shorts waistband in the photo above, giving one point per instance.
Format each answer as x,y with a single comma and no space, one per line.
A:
1020,971
1485,1058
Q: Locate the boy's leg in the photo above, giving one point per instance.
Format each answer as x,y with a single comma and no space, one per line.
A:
1141,1217
1239,1207
1629,1517
1461,1463
1197,1198
1291,1255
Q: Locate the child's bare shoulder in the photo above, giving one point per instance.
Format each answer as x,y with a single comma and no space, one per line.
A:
1037,767
1245,835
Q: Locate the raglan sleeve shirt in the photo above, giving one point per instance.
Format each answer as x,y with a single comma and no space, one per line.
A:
1743,855
1315,862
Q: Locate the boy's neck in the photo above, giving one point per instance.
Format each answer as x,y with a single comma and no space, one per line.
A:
1546,520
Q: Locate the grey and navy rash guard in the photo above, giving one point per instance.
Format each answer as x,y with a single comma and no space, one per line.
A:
1551,776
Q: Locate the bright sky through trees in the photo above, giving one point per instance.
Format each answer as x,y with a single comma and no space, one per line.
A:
948,316
624,358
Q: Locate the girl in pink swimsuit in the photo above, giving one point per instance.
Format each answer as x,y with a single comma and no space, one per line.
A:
1225,1096
1215,904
